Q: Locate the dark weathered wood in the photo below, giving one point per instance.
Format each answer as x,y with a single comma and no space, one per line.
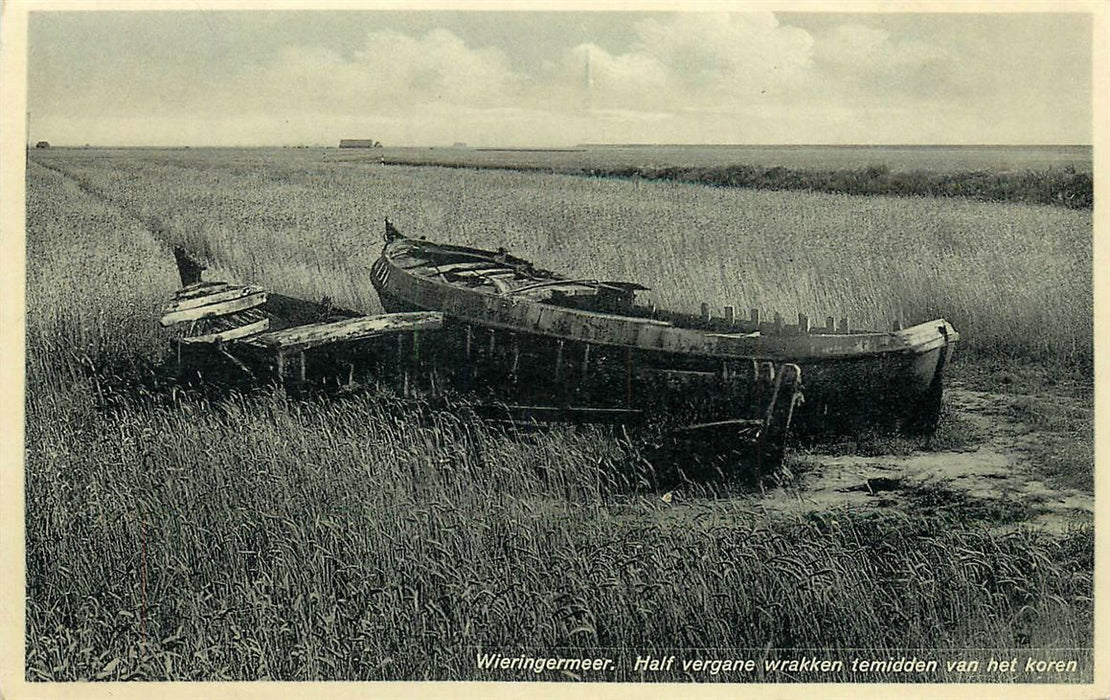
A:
461,267
844,328
199,289
232,334
558,359
731,423
897,325
704,311
628,376
317,334
730,315
218,294
803,323
830,324
486,273
514,371
663,372
213,310
778,323
189,269
755,317
577,414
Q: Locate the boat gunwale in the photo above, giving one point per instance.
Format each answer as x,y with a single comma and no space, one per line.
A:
918,339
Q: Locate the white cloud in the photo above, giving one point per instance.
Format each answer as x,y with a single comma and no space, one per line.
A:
684,77
861,56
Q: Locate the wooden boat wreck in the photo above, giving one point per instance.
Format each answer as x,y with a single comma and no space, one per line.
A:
530,345
536,336
258,335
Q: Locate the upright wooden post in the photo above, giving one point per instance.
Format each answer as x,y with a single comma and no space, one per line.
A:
803,323
778,323
516,358
830,324
585,361
401,365
704,311
843,325
730,315
628,377
558,359
755,318
302,371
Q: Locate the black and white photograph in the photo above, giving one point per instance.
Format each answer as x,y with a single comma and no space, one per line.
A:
732,344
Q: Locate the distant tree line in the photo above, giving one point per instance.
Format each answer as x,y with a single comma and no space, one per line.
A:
1058,186
1064,186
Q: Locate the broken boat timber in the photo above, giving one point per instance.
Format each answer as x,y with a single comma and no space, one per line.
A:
533,333
260,335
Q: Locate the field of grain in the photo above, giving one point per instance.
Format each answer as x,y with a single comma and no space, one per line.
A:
1014,279
898,159
1055,175
176,533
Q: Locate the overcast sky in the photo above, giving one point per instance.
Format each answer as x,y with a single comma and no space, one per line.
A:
554,79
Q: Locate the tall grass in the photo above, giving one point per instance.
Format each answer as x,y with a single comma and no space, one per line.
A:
258,538
176,537
1014,279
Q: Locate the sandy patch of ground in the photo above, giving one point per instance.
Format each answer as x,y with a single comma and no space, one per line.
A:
998,473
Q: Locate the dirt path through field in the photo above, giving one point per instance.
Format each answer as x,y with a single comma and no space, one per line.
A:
998,474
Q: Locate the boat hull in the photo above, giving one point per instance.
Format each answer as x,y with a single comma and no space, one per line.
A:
897,391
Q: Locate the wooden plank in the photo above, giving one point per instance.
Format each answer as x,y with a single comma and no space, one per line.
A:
803,323
732,423
199,289
461,267
233,334
704,311
361,328
730,315
217,296
213,310
487,274
678,374
568,288
547,414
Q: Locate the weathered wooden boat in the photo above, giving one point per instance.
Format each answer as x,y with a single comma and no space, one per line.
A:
254,334
530,336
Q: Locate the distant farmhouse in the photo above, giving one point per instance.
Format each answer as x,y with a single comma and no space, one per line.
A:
359,143
42,144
